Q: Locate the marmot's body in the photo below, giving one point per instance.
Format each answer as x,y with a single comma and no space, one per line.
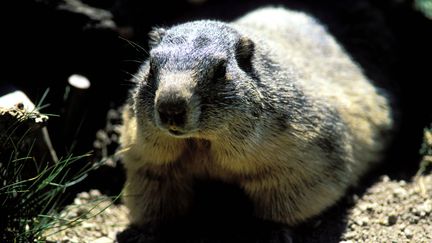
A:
269,102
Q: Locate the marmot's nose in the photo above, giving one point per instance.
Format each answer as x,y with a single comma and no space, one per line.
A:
172,113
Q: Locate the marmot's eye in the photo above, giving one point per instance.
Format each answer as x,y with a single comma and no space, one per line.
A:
219,70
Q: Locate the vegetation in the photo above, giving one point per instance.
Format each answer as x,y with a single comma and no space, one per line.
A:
426,151
425,6
32,189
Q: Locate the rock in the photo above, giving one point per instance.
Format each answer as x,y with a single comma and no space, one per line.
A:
400,193
84,195
95,193
424,209
392,219
103,240
408,233
402,183
362,221
414,219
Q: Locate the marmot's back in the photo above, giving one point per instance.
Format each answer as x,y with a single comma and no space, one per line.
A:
320,66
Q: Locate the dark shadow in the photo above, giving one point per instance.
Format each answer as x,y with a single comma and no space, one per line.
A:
221,214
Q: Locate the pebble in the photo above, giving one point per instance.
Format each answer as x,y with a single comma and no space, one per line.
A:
400,193
78,201
102,136
84,195
414,219
385,178
95,193
362,221
350,235
82,211
363,206
371,207
408,233
392,219
424,208
98,144
90,225
103,240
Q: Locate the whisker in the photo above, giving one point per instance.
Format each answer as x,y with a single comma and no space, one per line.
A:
134,61
133,76
136,46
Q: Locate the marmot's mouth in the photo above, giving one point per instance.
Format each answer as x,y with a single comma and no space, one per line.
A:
175,132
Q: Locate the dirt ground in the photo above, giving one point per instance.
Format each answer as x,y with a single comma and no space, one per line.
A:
392,211
388,211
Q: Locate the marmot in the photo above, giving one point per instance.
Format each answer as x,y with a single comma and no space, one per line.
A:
269,102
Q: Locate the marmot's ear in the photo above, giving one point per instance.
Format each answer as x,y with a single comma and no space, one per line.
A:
244,51
155,36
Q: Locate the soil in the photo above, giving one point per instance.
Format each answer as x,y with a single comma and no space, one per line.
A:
393,211
100,219
389,211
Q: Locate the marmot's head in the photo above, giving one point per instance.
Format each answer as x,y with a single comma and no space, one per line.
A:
198,81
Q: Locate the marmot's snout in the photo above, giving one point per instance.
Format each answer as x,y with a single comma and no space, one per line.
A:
172,111
175,106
